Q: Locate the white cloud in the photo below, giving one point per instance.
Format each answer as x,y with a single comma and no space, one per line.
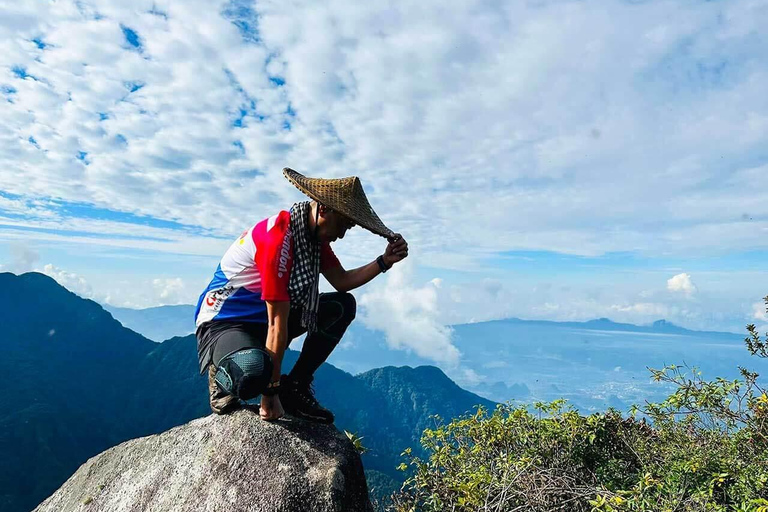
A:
408,315
69,280
131,293
140,293
577,307
759,312
426,107
645,309
681,283
170,290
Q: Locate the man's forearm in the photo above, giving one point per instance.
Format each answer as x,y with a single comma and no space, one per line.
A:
359,276
277,339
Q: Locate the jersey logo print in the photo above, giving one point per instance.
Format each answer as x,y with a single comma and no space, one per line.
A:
217,298
285,254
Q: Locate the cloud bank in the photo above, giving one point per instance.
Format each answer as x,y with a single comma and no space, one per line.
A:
478,129
408,315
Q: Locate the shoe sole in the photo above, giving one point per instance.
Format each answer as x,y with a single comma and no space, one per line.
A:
227,409
316,419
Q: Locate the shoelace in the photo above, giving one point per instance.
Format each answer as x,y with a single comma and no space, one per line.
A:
308,394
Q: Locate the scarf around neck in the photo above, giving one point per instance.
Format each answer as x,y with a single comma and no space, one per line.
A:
303,282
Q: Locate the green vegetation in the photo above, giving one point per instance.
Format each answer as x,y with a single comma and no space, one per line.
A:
78,383
704,448
357,442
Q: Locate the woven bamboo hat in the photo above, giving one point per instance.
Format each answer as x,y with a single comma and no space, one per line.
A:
344,195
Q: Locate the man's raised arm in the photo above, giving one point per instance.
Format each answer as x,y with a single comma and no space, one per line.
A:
346,280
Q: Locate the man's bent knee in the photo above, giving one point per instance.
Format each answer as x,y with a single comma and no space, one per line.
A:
350,305
337,310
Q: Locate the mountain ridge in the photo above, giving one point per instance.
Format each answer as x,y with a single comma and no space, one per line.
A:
661,325
129,386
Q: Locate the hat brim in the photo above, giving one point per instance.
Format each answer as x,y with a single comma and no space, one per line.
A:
344,195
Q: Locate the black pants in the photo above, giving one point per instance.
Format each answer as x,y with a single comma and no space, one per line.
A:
335,312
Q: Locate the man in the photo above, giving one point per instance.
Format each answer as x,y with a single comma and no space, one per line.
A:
265,293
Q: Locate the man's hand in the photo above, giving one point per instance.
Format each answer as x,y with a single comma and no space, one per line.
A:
277,341
397,250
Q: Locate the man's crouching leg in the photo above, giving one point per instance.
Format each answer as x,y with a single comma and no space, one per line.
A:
335,312
221,401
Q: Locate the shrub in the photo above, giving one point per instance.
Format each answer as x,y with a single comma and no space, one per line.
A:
704,448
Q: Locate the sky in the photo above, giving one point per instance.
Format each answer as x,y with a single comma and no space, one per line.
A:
561,160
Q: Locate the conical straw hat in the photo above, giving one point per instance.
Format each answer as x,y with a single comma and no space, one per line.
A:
344,195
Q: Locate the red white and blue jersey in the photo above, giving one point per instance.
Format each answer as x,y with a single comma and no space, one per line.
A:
255,268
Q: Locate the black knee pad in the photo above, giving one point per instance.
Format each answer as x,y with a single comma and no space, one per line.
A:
245,373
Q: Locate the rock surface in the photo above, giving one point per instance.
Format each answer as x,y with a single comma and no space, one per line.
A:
222,463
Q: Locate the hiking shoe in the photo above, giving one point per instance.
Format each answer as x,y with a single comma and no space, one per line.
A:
221,401
298,399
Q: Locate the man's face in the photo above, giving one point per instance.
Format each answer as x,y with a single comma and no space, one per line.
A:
332,225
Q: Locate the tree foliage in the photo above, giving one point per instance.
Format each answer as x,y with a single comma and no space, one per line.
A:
755,345
704,448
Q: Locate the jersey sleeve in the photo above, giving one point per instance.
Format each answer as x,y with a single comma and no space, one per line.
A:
327,257
274,259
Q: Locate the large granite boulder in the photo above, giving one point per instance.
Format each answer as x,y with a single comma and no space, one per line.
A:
222,463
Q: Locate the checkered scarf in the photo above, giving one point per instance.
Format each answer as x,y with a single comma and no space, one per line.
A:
303,283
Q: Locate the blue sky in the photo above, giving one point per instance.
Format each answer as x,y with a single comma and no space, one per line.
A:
611,166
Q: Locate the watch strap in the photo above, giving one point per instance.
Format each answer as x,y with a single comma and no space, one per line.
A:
382,266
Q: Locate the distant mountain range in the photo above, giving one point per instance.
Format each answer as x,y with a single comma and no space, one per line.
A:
158,324
164,322
659,326
595,364
76,382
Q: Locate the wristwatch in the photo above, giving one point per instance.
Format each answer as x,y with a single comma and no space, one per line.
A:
382,266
